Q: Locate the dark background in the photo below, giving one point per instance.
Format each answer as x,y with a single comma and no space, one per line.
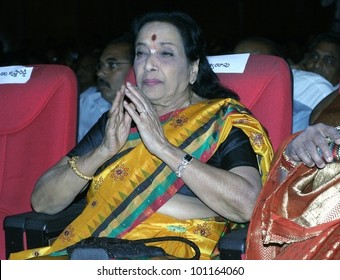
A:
42,24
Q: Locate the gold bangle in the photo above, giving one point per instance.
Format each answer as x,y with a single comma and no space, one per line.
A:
72,162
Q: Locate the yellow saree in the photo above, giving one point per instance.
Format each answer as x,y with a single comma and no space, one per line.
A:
123,198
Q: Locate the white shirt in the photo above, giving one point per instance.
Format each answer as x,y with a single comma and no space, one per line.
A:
91,107
308,90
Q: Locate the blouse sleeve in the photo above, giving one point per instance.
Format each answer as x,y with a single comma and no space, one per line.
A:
235,151
92,139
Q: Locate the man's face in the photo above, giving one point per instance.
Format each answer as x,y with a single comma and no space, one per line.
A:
113,66
324,60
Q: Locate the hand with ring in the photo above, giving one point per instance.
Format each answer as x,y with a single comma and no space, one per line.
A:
146,118
311,146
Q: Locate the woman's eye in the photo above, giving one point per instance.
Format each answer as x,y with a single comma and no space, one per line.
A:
167,54
140,53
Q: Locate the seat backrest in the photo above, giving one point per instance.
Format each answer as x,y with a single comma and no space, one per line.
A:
265,88
38,122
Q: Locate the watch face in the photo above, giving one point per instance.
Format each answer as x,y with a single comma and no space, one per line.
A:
187,158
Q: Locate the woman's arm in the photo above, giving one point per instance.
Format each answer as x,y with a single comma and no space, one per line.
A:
58,187
231,194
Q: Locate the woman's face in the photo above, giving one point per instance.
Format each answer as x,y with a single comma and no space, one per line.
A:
161,66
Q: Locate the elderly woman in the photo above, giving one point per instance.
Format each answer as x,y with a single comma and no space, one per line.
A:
176,155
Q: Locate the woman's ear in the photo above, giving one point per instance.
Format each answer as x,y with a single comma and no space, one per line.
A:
194,71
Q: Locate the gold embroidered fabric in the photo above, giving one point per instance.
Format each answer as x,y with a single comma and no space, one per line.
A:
299,217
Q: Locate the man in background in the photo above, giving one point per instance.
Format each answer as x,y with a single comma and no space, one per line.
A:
310,80
112,68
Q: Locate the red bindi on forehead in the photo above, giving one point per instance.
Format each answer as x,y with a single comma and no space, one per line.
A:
153,37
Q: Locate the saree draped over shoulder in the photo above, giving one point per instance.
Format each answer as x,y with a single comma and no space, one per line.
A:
297,217
123,198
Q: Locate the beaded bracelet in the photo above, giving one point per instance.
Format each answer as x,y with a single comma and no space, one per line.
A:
185,161
72,162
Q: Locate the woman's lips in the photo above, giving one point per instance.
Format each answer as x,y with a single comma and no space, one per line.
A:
151,82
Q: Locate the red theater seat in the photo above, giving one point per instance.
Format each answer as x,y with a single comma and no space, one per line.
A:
38,122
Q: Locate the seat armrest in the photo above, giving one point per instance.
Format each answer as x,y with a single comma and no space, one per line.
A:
32,230
232,246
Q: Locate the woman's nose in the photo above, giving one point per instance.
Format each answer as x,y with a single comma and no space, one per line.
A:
151,62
